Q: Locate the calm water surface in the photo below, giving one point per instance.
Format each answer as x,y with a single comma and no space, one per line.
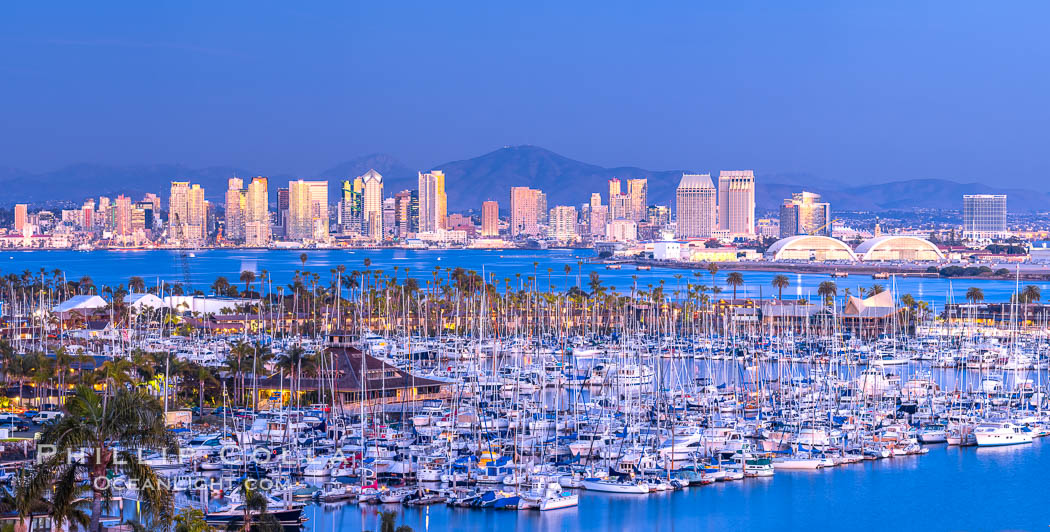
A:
951,488
113,267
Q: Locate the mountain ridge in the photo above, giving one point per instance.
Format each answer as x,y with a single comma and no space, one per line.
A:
471,181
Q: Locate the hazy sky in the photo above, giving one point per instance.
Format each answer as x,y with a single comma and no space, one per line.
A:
866,91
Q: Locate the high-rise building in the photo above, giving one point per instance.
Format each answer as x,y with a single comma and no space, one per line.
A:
142,215
562,225
21,216
599,217
87,212
695,206
638,192
984,216
154,199
658,215
490,219
736,202
283,201
433,202
596,199
234,209
614,189
389,218
541,207
257,213
805,214
403,214
351,204
620,207
372,204
307,210
187,216
122,215
524,214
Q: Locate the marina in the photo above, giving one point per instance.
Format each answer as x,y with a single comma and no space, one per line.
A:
471,402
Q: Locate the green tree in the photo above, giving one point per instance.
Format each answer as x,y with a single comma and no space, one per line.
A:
95,422
780,282
735,279
827,290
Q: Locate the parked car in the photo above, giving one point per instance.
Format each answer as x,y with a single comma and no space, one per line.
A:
47,416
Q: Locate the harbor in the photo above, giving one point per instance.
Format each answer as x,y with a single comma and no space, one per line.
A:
474,399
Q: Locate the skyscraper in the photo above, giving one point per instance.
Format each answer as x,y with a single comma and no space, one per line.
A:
307,210
562,224
403,214
596,199
433,203
235,209
490,219
372,204
350,206
21,216
695,206
736,202
257,213
283,202
805,214
122,216
638,191
614,189
523,211
187,217
984,216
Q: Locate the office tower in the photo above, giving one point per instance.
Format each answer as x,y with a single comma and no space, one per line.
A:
21,216
599,217
614,189
805,214
562,224
658,215
87,212
541,207
257,213
637,192
984,216
122,216
736,202
103,217
283,201
143,214
596,199
372,204
389,217
490,219
307,210
351,205
187,216
433,203
235,209
695,206
524,216
620,207
403,214
154,199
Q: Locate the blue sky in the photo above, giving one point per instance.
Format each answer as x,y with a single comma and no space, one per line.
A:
851,91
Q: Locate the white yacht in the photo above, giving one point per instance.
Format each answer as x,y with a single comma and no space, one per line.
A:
992,434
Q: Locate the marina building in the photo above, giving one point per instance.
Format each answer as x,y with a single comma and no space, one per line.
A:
805,214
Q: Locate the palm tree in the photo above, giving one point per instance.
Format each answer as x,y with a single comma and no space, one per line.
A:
25,498
1031,293
136,284
974,295
735,279
780,282
876,289
712,268
256,507
130,417
293,361
302,259
827,290
247,277
220,286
